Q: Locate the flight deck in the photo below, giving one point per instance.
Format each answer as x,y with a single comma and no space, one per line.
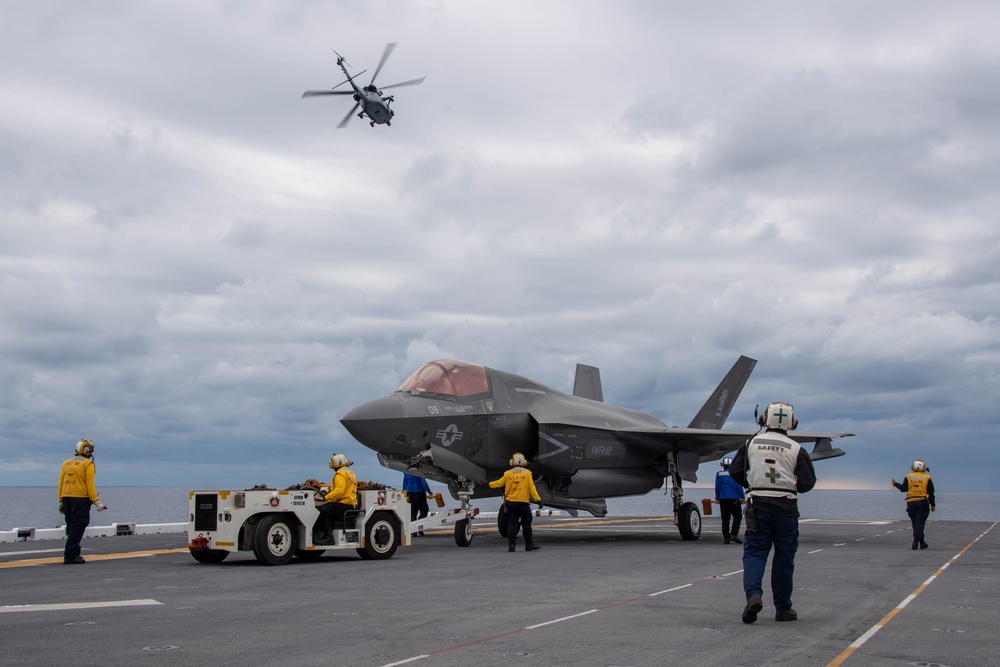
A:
606,592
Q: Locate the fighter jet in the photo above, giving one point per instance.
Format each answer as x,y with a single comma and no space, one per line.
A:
459,423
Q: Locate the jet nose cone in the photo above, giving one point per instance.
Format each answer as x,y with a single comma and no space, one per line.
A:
375,423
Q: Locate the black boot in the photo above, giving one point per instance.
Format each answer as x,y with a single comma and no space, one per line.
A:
923,545
511,543
531,546
915,544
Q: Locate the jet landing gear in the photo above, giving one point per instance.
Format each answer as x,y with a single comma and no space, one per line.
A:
687,518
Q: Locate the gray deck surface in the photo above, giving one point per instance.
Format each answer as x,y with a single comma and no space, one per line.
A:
606,592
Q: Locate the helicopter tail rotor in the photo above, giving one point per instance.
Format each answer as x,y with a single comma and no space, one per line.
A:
340,59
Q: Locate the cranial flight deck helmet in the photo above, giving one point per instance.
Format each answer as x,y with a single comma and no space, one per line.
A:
519,460
85,448
726,462
918,466
779,415
338,461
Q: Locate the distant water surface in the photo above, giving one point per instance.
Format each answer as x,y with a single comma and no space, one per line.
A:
36,507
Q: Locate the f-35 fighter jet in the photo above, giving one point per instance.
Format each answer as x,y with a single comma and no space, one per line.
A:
459,423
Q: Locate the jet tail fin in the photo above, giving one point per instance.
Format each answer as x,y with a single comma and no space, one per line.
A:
716,409
588,383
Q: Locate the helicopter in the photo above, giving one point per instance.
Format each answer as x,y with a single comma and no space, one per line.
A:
369,97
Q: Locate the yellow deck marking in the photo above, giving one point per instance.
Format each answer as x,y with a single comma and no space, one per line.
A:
571,523
857,643
93,557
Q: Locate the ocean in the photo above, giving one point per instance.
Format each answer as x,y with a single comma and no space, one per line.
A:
36,507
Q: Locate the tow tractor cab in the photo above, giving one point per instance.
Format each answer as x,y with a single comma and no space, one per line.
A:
277,525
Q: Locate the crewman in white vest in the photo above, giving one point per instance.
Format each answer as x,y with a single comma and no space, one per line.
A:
775,469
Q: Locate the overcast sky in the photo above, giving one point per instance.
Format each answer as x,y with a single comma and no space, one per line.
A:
200,273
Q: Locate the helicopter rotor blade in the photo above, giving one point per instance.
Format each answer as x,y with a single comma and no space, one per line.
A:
350,113
350,78
316,93
385,56
414,82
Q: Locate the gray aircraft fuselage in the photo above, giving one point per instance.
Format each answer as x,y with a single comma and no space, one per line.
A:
454,421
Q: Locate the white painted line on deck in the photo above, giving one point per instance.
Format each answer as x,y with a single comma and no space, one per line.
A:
859,642
33,551
403,662
64,606
560,620
669,590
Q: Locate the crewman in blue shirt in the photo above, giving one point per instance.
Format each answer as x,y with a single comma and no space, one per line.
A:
417,491
730,496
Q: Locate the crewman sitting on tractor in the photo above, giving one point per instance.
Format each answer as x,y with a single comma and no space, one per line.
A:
342,498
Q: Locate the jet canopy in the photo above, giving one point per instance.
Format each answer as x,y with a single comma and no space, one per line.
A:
447,377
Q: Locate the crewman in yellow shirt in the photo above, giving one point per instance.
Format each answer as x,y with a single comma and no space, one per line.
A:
76,494
518,491
919,490
341,499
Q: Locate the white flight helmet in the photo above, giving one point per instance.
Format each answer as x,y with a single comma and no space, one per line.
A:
338,461
85,448
918,466
519,460
779,415
726,462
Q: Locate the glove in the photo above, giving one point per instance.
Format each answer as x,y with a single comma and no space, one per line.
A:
540,506
61,508
100,506
894,484
933,508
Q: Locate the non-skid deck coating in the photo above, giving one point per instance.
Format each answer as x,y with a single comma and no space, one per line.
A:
605,592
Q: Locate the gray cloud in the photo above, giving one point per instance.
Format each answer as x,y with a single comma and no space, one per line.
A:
198,271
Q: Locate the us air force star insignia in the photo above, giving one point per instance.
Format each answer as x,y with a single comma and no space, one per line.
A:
450,435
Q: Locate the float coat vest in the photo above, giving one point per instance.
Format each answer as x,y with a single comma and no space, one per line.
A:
518,486
771,459
76,479
916,486
343,488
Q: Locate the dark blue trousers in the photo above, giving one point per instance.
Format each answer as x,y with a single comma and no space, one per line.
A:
519,515
918,510
77,513
782,533
732,514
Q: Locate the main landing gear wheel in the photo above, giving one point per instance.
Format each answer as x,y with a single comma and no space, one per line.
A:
463,533
382,536
502,520
209,555
689,521
274,540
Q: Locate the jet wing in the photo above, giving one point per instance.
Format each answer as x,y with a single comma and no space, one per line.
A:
692,446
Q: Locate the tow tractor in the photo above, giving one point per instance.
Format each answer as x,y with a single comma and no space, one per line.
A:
277,525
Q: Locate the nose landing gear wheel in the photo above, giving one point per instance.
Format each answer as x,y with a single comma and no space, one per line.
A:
463,533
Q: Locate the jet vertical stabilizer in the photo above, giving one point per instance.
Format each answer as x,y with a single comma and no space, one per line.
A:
588,383
716,409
